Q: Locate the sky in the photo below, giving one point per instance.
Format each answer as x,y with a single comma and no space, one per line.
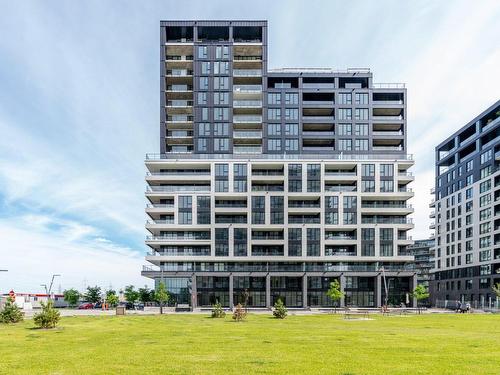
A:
79,109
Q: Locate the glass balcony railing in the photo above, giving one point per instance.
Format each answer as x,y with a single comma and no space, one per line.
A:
179,103
179,88
179,57
247,88
247,72
180,118
179,72
247,149
316,156
246,119
247,134
176,188
247,103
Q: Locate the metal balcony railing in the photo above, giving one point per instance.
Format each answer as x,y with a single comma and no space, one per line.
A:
175,188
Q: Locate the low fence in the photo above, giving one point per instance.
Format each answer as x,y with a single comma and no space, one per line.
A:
490,305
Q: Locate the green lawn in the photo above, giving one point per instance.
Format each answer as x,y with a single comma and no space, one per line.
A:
196,344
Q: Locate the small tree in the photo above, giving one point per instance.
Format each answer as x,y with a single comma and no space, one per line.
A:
280,310
11,313
420,293
48,317
146,295
111,298
217,310
162,296
496,290
239,313
131,295
335,293
72,296
93,294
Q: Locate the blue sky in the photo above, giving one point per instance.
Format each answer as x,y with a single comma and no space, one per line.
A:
79,108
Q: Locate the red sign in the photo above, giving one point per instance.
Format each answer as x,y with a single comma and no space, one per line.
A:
12,295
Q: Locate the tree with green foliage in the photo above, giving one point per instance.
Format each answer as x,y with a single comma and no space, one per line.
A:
11,313
280,311
93,294
335,293
72,296
146,294
420,293
111,298
162,296
48,317
496,290
131,295
239,313
217,310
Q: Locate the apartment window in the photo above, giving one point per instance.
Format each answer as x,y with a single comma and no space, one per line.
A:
331,210
202,144
274,114
221,83
291,144
202,52
484,200
240,242
345,145
221,114
203,210
221,177
483,215
484,186
368,186
274,98
221,129
291,114
485,228
291,129
368,170
386,186
291,98
240,178
274,129
486,156
361,129
469,165
345,98
344,129
295,177
221,98
221,67
361,113
202,97
185,210
486,171
204,129
277,208
258,210
295,241
221,144
361,144
203,83
345,114
205,67
222,52
221,242
361,98
274,144
386,170
313,177
313,242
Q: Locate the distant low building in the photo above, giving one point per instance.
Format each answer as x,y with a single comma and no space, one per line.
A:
28,301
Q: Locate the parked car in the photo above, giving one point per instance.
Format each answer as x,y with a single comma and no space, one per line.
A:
98,305
86,306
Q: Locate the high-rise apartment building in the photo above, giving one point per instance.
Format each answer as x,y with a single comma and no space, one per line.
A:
273,183
423,251
467,211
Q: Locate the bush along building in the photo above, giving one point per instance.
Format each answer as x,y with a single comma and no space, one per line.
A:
274,183
467,212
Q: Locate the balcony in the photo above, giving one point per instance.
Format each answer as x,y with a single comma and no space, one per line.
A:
247,149
387,148
317,103
386,205
386,220
160,206
179,88
247,72
318,119
179,119
190,236
405,174
179,58
313,134
247,58
179,103
251,89
174,172
321,86
247,134
177,188
159,222
179,73
247,119
179,134
387,118
388,133
340,188
247,103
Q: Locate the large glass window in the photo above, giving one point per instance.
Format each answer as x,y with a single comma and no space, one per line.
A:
274,98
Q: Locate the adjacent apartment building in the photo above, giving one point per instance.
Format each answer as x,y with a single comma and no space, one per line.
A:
273,183
423,251
467,211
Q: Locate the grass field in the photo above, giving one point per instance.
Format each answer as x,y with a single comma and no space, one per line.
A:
313,344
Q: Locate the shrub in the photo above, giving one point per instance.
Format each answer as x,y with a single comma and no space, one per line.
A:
217,310
11,313
280,310
48,317
239,313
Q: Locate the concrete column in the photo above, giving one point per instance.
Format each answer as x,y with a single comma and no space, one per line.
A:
268,291
194,297
342,286
413,286
378,291
304,291
231,301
